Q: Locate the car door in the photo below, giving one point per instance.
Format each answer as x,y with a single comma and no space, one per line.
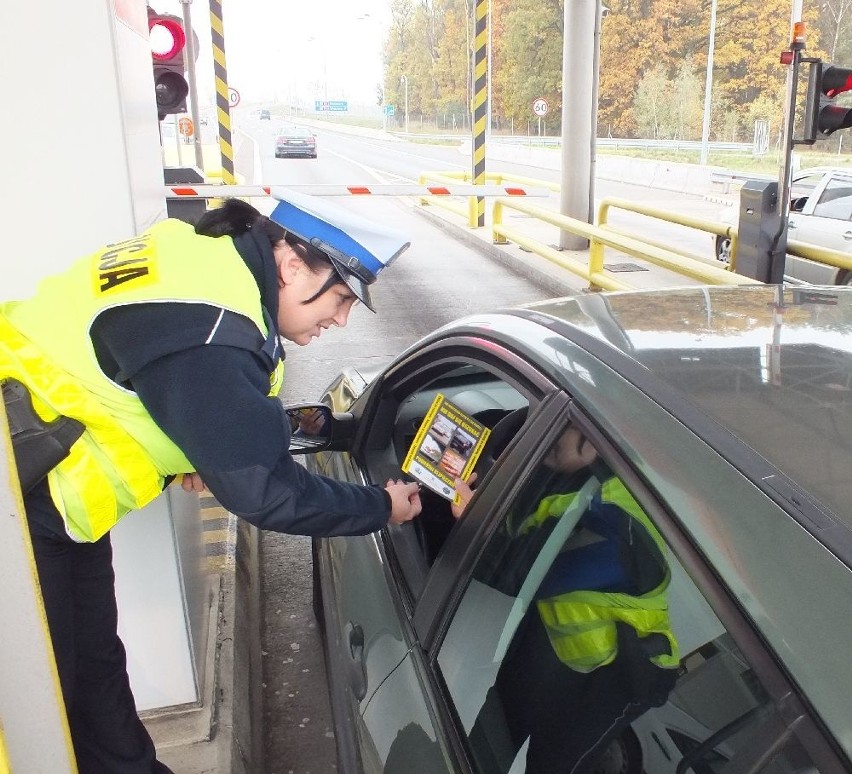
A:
370,585
825,220
516,630
480,685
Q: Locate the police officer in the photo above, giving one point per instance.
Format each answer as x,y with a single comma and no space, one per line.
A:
159,357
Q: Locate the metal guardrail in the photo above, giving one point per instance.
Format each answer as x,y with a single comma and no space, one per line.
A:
819,254
692,265
601,142
600,235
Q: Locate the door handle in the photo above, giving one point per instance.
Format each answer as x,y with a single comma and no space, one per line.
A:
847,235
356,669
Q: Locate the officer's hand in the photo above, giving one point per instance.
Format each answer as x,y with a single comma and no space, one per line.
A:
192,483
465,492
312,422
405,501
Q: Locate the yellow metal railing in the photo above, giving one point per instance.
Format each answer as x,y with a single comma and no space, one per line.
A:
600,237
700,224
820,254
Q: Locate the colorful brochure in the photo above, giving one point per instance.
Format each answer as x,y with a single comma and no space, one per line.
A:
446,446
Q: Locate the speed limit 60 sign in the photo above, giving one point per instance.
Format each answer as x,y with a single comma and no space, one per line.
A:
540,107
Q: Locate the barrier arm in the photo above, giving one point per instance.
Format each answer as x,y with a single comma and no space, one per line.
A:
34,734
467,211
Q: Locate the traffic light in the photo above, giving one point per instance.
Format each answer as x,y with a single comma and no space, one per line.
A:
823,117
168,41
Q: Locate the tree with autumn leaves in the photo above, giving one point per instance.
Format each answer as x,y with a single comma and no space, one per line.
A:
653,60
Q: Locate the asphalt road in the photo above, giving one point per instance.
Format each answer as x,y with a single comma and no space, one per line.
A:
429,285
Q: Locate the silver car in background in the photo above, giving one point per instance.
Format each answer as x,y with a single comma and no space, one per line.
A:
821,215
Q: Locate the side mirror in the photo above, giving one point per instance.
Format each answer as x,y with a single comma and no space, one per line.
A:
315,427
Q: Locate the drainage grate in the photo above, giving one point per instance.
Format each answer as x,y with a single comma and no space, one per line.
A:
625,267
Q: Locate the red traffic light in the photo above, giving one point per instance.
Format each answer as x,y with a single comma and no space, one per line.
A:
822,116
835,80
166,35
830,117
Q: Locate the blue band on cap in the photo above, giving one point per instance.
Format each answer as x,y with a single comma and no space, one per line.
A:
307,227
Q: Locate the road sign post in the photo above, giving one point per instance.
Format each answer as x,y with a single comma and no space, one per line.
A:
540,107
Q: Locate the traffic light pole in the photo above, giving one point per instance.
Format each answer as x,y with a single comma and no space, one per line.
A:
785,172
193,90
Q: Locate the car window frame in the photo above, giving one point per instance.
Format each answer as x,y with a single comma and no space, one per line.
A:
376,411
813,195
435,611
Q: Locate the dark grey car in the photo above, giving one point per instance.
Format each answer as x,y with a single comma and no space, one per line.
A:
295,141
721,419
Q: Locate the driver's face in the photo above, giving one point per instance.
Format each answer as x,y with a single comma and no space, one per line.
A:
571,452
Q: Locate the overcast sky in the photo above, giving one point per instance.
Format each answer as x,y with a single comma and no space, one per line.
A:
286,50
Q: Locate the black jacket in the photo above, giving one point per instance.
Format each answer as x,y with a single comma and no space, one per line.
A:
206,387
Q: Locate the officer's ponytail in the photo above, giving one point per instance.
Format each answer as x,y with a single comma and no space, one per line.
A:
235,217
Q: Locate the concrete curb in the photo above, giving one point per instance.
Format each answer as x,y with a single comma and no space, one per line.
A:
241,718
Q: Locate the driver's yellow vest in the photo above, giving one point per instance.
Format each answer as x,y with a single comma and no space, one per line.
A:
121,460
581,625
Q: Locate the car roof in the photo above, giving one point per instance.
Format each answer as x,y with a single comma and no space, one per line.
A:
779,362
846,171
771,367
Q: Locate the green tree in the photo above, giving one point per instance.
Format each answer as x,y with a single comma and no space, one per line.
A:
530,56
651,104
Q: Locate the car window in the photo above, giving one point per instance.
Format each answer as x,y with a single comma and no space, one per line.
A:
481,394
581,643
295,131
479,390
835,200
801,190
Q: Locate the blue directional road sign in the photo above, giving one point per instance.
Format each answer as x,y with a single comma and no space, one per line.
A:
334,106
389,110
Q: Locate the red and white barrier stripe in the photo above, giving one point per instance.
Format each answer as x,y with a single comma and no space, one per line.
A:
390,189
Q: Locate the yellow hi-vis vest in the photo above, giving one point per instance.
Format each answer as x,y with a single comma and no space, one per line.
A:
581,624
120,462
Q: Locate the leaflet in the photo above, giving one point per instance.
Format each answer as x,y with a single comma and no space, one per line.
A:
447,445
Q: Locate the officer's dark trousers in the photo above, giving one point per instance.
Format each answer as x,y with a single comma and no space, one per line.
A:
78,587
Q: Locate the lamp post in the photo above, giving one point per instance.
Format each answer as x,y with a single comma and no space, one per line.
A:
404,79
708,88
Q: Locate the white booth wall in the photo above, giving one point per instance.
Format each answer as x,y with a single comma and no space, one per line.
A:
84,168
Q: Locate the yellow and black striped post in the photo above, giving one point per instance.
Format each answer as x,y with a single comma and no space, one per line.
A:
480,102
223,101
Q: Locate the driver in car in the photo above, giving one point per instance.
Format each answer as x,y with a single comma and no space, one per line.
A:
596,650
